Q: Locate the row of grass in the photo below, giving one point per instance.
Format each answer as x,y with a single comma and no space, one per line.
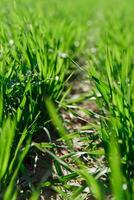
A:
41,46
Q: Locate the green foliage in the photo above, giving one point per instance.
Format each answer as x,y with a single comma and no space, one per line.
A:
114,82
42,46
11,158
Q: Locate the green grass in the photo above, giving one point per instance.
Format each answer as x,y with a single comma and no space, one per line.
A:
44,47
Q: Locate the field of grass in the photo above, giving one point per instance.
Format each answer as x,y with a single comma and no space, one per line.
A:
66,99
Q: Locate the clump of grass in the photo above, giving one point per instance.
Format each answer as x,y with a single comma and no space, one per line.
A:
34,50
115,84
12,154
